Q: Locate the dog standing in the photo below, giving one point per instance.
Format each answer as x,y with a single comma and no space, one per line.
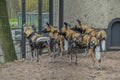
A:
82,41
57,42
99,34
36,41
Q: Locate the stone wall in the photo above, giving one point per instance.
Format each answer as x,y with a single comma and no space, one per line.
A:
94,13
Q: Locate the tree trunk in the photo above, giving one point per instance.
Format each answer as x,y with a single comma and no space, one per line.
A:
11,8
6,42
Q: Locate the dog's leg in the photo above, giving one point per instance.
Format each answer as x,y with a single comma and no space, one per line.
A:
61,47
99,64
91,53
98,56
51,57
37,55
50,52
70,52
53,53
86,51
55,49
61,51
70,57
31,56
76,57
93,59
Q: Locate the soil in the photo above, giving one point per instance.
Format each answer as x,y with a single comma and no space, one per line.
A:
60,69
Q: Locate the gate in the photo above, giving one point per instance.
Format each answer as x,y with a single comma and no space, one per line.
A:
113,38
115,34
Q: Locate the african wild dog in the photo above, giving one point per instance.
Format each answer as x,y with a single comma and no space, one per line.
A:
37,42
99,34
78,40
57,42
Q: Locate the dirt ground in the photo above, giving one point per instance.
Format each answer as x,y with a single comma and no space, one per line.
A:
60,69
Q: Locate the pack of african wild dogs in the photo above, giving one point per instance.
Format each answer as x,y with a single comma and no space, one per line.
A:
67,41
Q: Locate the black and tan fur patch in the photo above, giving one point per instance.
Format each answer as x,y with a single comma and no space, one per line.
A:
35,42
54,33
99,34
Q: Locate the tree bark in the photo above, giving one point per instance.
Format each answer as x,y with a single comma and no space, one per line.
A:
11,8
6,42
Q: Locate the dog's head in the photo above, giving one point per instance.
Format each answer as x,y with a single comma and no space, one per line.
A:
81,26
93,42
49,28
28,31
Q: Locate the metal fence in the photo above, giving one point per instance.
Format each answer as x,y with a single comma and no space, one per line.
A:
54,16
32,18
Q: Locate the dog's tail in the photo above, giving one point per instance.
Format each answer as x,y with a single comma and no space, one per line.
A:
103,45
66,45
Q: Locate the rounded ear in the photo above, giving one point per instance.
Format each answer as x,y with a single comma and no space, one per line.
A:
79,21
47,23
65,23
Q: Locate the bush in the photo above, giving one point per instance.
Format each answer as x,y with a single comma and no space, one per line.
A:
13,23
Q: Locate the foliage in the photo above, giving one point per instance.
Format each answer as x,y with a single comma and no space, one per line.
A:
32,5
15,6
13,23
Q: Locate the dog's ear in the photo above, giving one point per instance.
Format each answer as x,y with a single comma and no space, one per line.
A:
79,21
65,23
47,24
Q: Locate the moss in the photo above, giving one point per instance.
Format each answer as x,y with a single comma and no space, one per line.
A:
5,34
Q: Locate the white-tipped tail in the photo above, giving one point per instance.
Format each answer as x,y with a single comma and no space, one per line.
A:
66,45
97,53
103,45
